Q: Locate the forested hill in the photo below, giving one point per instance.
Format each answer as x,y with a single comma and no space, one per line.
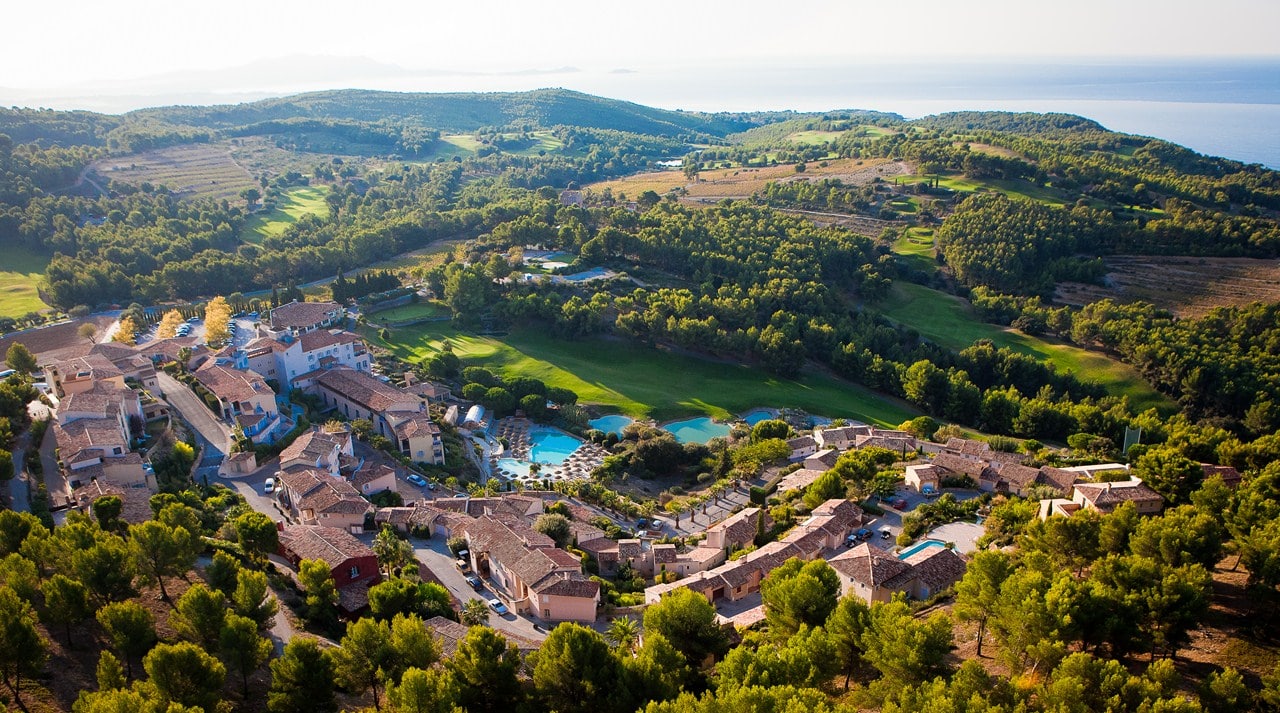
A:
467,112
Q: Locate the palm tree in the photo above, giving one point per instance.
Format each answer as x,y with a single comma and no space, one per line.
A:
474,613
623,633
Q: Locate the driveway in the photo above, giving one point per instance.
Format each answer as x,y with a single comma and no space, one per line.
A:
212,433
434,555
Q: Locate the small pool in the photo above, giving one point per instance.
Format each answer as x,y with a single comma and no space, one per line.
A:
591,274
513,468
611,424
755,416
697,430
551,446
917,547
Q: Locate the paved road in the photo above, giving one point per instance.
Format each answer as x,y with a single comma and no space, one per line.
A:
435,555
55,482
212,433
19,486
250,486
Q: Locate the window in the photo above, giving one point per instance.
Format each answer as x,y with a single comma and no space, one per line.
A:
355,571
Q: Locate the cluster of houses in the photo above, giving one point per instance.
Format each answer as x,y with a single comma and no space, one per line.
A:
522,564
104,396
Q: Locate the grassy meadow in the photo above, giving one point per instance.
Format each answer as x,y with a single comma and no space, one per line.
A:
643,382
19,277
950,321
295,203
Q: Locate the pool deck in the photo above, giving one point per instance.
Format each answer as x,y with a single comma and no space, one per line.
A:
577,466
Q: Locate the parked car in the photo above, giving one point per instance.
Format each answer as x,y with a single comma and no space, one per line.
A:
498,607
463,561
269,486
417,480
431,485
899,503
656,524
475,582
642,523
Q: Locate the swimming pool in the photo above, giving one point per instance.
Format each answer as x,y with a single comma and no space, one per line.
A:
917,547
551,446
757,415
593,273
513,468
697,430
611,424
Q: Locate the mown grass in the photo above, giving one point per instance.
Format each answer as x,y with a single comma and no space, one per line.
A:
290,207
950,321
21,273
643,382
1013,188
420,310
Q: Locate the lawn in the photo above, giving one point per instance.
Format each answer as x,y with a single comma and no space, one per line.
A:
21,273
643,382
295,203
950,321
421,310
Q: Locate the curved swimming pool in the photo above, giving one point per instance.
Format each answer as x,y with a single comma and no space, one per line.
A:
611,424
697,430
551,446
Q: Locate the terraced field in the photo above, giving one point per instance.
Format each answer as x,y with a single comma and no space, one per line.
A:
1181,284
193,171
723,183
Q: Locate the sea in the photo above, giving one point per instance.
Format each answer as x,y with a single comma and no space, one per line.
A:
1219,107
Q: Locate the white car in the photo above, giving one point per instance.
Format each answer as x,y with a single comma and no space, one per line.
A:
498,607
269,486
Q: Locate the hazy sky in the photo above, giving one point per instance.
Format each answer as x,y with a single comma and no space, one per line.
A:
56,43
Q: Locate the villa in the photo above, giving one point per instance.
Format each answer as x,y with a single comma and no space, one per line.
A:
302,317
352,565
244,400
875,575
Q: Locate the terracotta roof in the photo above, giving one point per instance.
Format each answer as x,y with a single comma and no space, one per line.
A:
331,545
233,384
960,464
937,567
419,424
567,584
741,528
302,314
322,338
323,493
1229,475
99,366
703,554
89,437
802,442
664,554
135,502
825,458
1056,478
840,437
1111,494
598,546
367,390
371,473
871,566
169,348
103,400
967,447
315,446
1016,475
798,480
261,345
355,596
843,513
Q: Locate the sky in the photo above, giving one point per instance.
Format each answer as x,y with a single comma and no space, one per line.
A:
141,49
